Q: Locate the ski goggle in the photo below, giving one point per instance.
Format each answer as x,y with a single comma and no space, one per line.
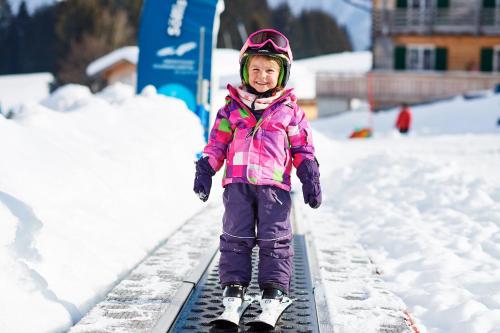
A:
260,38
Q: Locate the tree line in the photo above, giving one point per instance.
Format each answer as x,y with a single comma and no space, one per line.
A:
65,37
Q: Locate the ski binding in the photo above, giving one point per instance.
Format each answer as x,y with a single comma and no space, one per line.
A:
271,312
234,307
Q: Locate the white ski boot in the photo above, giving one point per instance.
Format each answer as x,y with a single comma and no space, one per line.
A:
235,303
273,303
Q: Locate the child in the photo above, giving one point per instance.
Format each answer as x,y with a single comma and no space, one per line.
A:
260,132
403,123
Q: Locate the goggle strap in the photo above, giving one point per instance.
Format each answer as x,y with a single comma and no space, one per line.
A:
282,73
245,70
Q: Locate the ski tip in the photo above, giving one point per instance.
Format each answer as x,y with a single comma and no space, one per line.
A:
258,325
222,325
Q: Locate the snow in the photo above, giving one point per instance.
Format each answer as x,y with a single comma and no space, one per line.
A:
87,190
456,116
91,184
37,85
345,62
427,209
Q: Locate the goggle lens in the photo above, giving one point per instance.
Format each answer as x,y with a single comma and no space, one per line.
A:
262,36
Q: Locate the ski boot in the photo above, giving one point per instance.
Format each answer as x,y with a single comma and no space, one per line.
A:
273,293
273,303
235,303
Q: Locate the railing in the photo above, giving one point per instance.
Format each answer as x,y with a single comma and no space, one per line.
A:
392,87
456,20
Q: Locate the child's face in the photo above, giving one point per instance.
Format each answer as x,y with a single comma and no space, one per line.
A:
263,73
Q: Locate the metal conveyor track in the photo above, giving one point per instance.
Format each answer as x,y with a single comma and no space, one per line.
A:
205,302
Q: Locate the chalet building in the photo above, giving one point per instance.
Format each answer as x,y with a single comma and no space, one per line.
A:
424,50
436,35
117,66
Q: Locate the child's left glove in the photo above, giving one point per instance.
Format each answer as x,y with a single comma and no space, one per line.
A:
308,173
203,178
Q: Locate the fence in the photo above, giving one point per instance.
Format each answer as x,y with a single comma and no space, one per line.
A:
393,87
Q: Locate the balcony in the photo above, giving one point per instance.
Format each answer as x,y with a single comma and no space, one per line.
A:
425,21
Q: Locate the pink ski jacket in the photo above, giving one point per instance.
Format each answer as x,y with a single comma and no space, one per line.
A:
259,152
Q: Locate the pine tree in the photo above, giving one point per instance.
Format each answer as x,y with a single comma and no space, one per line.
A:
86,30
321,35
14,41
239,19
5,14
41,45
82,52
6,19
24,60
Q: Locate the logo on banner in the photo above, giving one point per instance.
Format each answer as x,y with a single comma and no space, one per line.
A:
176,18
178,65
179,51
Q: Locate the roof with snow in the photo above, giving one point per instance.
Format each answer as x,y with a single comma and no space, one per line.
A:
127,53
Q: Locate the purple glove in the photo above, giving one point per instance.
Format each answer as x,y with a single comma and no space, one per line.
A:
203,178
308,173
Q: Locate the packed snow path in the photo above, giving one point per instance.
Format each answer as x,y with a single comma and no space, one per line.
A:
155,297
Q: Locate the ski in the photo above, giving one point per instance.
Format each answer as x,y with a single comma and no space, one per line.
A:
272,309
234,307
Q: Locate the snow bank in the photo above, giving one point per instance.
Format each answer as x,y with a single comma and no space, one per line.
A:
23,88
427,210
85,195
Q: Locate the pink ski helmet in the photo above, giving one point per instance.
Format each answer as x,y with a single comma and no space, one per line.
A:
267,42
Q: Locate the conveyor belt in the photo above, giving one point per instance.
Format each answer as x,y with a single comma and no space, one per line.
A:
205,302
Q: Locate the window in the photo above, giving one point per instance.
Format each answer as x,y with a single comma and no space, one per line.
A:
490,15
421,57
491,3
419,13
420,3
496,59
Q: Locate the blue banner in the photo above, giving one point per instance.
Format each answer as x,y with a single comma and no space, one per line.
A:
175,51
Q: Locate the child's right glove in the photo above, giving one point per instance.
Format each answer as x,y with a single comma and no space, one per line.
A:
203,178
308,173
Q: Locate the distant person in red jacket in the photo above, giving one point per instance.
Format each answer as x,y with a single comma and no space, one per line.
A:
403,123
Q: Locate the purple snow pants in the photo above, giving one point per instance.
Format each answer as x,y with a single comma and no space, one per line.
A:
256,214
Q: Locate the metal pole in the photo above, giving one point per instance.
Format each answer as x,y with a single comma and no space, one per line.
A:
371,98
200,66
200,108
